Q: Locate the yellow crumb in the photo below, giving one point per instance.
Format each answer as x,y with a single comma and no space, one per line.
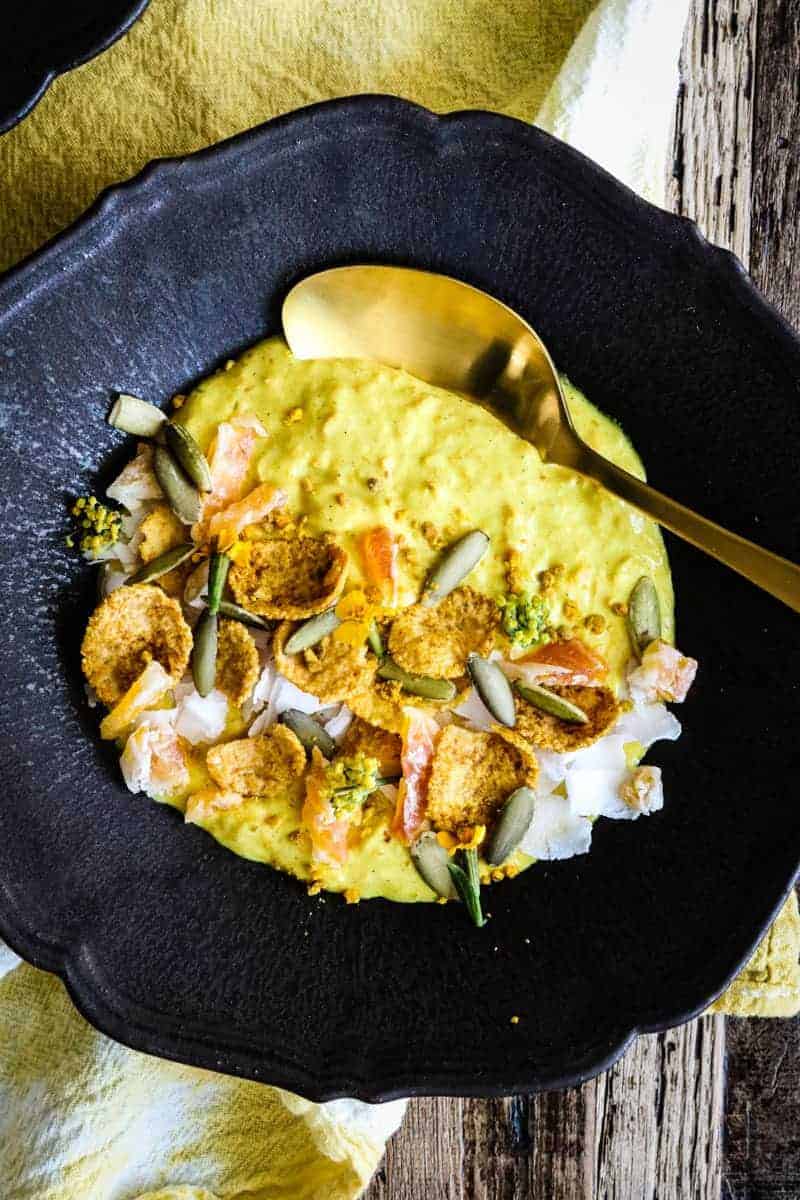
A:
352,895
293,416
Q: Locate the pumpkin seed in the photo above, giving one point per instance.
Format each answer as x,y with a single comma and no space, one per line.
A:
217,574
189,455
163,563
204,653
129,414
182,496
308,731
417,685
468,885
454,565
493,688
511,826
644,615
549,702
312,631
374,640
235,612
433,862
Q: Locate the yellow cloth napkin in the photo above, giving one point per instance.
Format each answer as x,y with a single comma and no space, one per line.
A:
82,1118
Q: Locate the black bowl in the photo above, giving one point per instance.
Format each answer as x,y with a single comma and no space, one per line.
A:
41,39
171,944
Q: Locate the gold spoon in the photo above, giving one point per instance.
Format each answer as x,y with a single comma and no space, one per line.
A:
457,337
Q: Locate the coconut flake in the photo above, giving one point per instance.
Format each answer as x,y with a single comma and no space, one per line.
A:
200,718
643,793
475,712
282,694
137,481
556,832
153,761
648,723
337,726
113,578
663,674
594,792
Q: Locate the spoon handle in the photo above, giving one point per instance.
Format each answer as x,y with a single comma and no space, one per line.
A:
775,575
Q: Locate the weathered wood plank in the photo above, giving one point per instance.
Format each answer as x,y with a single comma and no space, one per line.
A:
763,1118
712,154
658,1125
775,259
425,1158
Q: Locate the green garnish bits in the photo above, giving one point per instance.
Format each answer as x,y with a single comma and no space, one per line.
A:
468,885
525,619
349,781
98,526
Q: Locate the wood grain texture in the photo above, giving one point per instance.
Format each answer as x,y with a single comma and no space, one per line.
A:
762,1133
652,1127
712,154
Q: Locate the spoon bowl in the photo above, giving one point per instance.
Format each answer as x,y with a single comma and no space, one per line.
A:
457,337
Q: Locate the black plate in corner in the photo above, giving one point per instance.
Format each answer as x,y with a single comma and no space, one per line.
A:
173,945
41,40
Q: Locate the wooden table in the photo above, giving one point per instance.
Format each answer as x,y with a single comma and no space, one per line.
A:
711,1109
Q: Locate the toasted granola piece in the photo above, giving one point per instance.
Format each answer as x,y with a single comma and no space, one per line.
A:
474,773
382,704
130,628
289,577
332,670
238,665
374,742
551,733
161,530
256,766
436,639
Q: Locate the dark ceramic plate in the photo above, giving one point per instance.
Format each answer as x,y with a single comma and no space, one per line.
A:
41,39
171,944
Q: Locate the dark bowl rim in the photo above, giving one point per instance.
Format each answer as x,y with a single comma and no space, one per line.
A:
150,1032
12,117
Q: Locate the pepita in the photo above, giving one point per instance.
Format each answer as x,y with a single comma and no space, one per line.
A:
511,826
374,640
189,455
416,685
312,631
454,566
204,653
234,612
549,702
493,688
644,615
129,414
182,496
433,864
217,574
308,731
163,563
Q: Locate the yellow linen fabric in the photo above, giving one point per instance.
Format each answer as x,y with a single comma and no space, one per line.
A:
193,71
82,1118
